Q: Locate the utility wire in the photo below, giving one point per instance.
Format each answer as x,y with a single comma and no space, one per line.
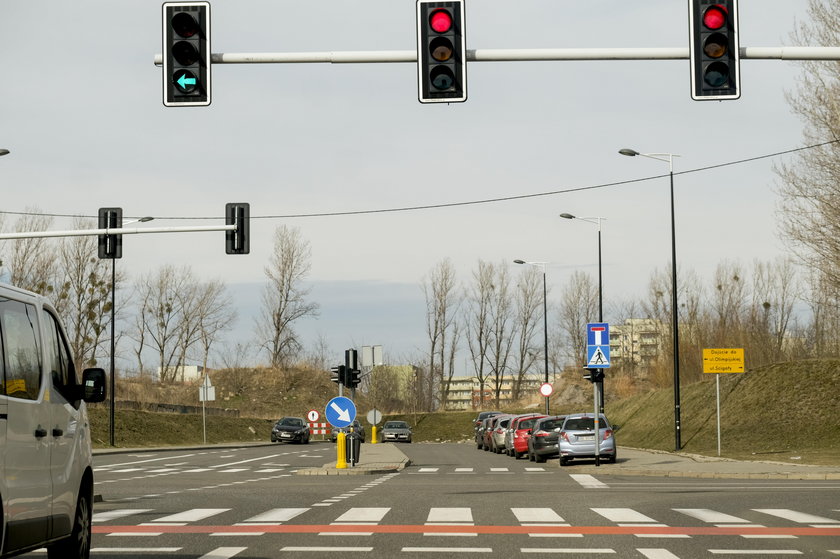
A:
471,202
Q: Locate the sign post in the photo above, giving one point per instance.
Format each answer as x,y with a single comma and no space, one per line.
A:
206,392
597,357
722,360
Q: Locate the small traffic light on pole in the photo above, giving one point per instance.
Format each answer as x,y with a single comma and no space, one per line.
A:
441,52
186,54
110,246
237,241
714,49
337,374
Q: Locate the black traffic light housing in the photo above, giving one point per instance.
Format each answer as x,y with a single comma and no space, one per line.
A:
352,378
110,246
237,241
441,52
186,54
594,375
337,374
714,49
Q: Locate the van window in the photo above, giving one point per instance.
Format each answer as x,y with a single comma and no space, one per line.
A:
21,355
59,364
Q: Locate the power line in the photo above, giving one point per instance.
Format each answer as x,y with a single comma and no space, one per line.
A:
468,202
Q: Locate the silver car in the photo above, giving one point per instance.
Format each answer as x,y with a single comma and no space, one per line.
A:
577,438
396,431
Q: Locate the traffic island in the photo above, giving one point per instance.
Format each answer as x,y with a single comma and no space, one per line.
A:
380,458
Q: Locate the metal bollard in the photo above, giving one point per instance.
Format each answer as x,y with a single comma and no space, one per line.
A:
340,445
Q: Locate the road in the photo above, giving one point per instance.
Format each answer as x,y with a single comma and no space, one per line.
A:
453,500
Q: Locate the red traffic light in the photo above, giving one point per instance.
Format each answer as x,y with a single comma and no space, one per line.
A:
441,21
184,24
715,17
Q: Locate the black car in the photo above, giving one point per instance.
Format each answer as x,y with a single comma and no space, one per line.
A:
356,426
478,424
290,429
542,443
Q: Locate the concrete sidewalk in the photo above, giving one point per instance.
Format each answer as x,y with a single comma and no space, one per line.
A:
377,458
638,462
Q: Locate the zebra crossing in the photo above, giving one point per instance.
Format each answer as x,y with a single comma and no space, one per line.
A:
546,521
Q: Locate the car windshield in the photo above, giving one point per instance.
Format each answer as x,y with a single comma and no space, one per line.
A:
396,425
527,423
583,424
291,422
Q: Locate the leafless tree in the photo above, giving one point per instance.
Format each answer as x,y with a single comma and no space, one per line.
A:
83,295
529,310
478,323
810,186
214,313
285,296
502,327
775,292
442,329
578,306
32,263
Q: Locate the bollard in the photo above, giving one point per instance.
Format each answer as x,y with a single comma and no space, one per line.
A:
341,460
373,435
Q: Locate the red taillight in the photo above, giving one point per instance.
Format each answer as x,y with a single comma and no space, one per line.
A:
607,433
540,434
564,436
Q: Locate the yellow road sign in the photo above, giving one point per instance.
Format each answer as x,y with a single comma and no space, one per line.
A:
723,360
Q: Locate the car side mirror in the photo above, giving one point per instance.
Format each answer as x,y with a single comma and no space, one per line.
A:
93,385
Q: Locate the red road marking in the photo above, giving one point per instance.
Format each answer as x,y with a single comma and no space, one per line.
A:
418,529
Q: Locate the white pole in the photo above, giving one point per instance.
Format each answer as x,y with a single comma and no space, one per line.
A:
717,382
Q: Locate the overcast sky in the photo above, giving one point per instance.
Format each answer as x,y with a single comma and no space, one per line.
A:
81,113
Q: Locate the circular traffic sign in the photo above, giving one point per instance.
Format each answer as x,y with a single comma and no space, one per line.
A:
374,416
313,416
546,389
340,411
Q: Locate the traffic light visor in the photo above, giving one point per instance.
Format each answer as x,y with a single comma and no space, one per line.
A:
715,17
441,21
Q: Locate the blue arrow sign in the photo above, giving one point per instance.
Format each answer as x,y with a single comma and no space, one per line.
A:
340,411
184,81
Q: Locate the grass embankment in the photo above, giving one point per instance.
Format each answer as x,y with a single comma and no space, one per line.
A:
787,411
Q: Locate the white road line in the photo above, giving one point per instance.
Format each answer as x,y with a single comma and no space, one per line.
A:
118,513
713,516
233,470
364,514
464,470
223,553
246,461
537,515
766,552
325,549
569,550
799,517
275,515
450,516
657,554
447,549
135,549
192,515
588,481
427,470
623,515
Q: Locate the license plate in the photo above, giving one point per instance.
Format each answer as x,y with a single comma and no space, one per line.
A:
587,438
286,435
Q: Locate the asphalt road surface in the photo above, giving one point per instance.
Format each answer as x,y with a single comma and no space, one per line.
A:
452,501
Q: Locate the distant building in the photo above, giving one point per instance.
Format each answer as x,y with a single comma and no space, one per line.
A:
637,341
183,373
465,392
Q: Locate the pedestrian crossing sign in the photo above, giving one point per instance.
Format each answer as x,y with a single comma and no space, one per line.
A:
598,345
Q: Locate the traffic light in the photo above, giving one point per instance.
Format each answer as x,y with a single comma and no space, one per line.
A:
237,241
351,379
110,246
186,54
594,375
441,52
714,49
337,374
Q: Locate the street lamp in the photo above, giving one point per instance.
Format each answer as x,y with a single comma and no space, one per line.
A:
4,151
597,221
113,319
541,265
669,158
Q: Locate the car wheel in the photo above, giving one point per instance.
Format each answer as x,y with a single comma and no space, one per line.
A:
530,457
539,459
564,461
613,458
77,546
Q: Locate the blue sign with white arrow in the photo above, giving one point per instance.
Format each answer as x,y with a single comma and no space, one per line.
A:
340,411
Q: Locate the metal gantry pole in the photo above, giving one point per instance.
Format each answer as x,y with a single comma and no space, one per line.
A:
545,334
675,314
113,376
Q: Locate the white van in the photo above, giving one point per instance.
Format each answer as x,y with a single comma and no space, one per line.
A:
46,478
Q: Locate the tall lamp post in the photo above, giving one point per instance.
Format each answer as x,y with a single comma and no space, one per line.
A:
111,433
596,221
541,265
669,158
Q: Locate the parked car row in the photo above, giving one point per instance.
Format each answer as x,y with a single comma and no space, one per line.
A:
541,437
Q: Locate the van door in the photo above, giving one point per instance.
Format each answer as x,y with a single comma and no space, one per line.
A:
68,433
27,444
